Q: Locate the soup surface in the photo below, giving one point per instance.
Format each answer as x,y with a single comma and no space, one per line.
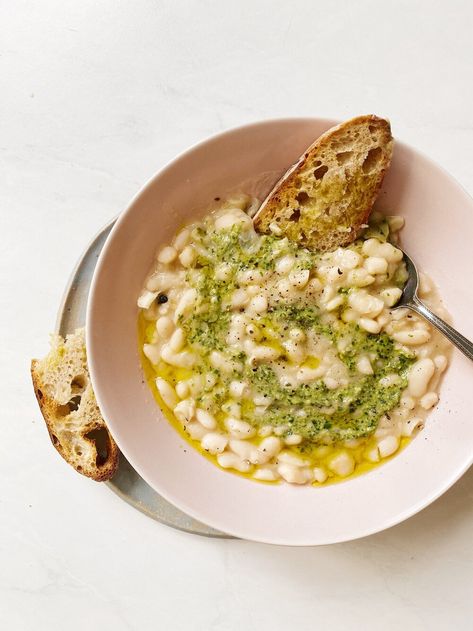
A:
284,364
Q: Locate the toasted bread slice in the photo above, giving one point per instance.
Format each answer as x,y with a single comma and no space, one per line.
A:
323,201
64,393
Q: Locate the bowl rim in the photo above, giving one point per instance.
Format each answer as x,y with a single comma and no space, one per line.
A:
94,368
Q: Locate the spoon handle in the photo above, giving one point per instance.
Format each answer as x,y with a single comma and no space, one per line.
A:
452,334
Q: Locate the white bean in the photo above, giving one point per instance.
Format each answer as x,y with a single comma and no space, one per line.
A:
260,410
390,296
332,275
167,254
253,290
146,299
411,425
295,475
383,319
185,304
299,278
363,365
231,218
214,442
359,277
164,327
184,359
229,460
419,377
268,448
334,303
196,385
249,276
237,389
370,325
372,454
407,402
295,351
152,352
287,457
349,259
412,338
389,380
182,389
297,335
259,304
314,286
285,289
238,428
205,418
293,439
239,298
162,281
372,247
429,400
167,392
388,445
232,408
262,399
185,410
440,362
182,239
267,474
242,448
177,340
350,315
285,264
188,256
331,383
376,265
320,475
195,430
220,362
236,330
223,271
266,430
342,464
365,303
262,353
306,374
400,414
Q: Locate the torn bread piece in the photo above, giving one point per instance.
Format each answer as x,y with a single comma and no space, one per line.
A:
325,199
64,392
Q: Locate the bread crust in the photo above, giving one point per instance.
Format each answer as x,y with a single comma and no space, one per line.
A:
282,201
89,462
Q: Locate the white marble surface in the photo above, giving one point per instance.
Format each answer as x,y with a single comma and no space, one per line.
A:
96,95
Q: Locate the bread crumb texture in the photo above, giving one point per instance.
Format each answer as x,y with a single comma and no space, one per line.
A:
324,200
64,392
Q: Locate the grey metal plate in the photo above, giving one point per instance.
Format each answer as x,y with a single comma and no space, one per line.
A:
126,483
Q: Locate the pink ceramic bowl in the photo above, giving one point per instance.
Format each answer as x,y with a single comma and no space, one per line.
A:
439,225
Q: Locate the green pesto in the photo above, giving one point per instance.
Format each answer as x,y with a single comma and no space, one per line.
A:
377,230
354,410
233,247
312,410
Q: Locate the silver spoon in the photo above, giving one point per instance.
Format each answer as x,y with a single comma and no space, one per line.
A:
410,300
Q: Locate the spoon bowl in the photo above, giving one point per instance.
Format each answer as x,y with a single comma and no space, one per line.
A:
410,300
